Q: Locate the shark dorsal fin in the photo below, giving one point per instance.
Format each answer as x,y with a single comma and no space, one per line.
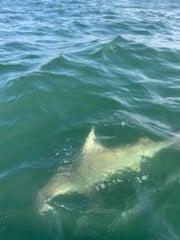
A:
91,144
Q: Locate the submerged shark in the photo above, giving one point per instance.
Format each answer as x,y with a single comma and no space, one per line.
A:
98,164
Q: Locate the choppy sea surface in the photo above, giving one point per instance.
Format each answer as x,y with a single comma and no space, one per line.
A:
65,67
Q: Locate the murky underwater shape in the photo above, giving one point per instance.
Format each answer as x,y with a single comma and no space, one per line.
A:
67,67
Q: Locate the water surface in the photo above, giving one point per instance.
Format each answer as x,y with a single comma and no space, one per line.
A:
66,66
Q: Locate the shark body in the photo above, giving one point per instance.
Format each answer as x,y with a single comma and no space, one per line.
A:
98,163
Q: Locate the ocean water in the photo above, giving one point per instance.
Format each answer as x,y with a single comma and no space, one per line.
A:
65,67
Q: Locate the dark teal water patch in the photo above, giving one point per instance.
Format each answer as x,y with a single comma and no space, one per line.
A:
66,66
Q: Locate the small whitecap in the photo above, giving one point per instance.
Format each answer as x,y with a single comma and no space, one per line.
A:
123,123
97,187
138,179
57,154
123,214
119,180
66,161
102,185
144,177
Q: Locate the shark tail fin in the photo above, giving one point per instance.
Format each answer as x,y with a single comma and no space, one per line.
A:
91,144
42,204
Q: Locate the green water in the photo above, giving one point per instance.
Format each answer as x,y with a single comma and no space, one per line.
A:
66,66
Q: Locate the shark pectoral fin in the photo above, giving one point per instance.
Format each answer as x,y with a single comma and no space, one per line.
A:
91,144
